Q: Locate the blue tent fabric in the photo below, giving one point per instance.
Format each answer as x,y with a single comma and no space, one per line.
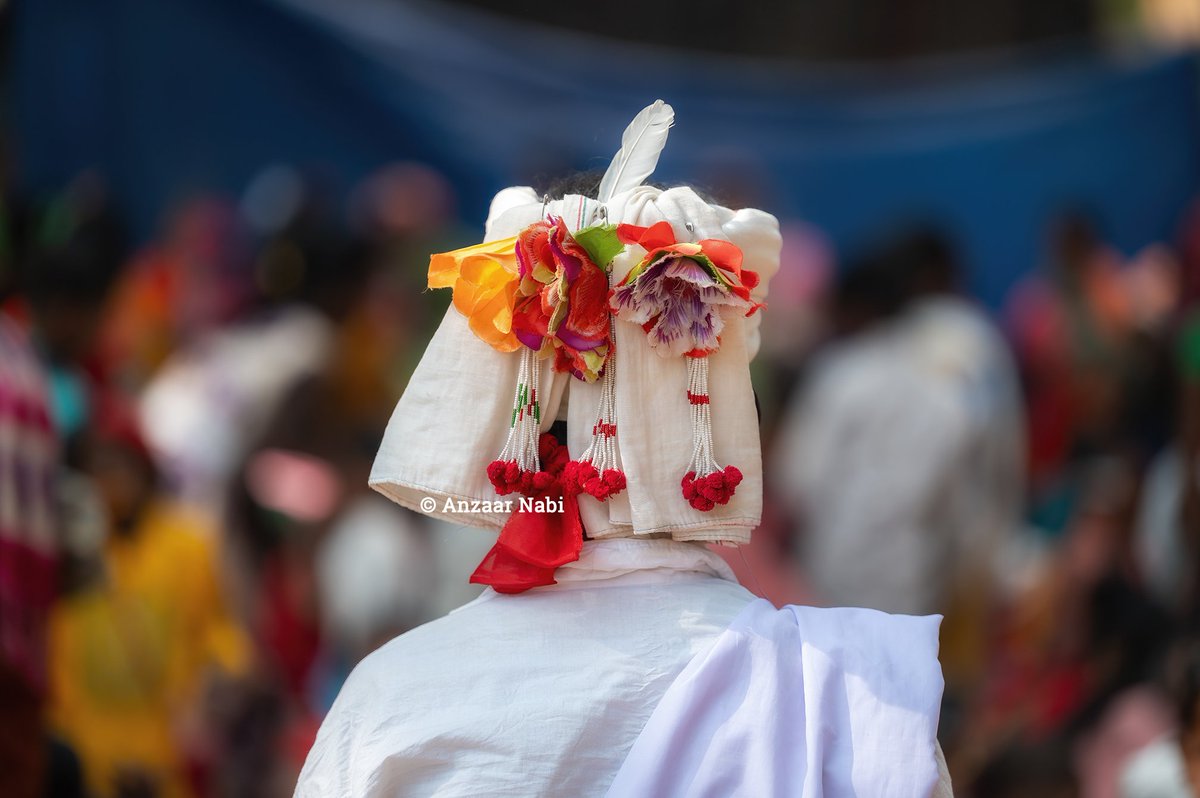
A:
170,98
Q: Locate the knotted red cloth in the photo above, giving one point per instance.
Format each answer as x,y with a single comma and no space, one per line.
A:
534,542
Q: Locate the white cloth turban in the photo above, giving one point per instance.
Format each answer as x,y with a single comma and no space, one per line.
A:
453,418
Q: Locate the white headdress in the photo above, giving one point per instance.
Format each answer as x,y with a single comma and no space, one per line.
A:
661,397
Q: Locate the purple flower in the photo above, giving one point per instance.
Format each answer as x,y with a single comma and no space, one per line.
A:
677,300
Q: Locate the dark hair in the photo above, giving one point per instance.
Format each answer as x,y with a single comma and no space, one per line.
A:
587,184
871,285
928,260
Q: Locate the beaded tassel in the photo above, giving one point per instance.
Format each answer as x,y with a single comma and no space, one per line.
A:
706,484
597,472
519,467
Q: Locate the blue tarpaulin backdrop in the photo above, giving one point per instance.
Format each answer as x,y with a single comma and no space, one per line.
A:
171,97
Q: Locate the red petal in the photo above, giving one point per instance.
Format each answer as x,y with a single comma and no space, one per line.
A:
587,313
725,254
630,233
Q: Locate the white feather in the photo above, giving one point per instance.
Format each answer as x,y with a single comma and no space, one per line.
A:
641,144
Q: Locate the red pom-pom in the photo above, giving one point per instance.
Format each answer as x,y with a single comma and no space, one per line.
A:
702,504
688,485
525,483
615,480
733,478
711,486
570,478
542,481
596,488
512,474
497,474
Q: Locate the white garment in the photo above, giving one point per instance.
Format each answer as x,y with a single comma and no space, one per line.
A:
903,458
540,693
799,701
955,343
211,401
871,449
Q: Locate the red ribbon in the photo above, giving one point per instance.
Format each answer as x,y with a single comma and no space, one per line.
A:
534,543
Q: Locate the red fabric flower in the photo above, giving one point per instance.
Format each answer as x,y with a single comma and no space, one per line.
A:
562,300
675,292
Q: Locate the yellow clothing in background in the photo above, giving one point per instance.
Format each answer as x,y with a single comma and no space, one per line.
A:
128,657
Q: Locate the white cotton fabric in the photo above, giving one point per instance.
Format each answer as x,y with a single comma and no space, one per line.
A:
802,702
544,693
453,418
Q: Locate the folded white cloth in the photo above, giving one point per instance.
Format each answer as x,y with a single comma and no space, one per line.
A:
801,701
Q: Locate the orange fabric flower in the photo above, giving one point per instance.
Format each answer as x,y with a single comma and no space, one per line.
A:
484,279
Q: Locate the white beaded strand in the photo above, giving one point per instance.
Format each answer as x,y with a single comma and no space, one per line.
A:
702,461
602,451
522,441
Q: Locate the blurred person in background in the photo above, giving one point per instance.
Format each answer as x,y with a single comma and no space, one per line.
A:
192,279
831,458
212,398
30,555
77,249
902,454
1072,330
134,650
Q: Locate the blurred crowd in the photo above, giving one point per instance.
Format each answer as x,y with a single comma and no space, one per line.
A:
191,561
1029,474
